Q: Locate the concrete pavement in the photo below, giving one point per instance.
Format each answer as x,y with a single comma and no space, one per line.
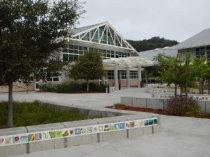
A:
92,100
179,137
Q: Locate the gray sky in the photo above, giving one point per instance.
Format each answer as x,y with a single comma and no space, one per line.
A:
143,19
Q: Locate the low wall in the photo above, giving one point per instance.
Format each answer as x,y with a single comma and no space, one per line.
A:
93,113
18,87
28,139
156,103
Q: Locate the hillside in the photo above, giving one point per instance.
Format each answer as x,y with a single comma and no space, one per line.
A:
149,44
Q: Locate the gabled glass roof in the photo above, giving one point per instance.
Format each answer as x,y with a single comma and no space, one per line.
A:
102,33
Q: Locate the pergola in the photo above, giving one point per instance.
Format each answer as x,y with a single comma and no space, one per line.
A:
128,63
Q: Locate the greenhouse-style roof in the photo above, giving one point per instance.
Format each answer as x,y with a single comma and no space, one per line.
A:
101,33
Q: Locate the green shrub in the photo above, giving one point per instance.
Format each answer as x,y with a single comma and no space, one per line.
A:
69,88
183,106
95,87
73,88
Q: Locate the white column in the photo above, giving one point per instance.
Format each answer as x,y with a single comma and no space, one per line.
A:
103,79
120,80
139,76
128,77
116,83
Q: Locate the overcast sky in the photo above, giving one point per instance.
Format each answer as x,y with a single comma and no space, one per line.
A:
143,19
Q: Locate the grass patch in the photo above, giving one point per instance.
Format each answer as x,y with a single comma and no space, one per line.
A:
36,113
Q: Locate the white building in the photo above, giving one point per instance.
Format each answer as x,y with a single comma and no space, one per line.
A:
198,45
121,60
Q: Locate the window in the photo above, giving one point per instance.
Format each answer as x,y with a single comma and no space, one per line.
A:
110,41
86,37
75,51
71,46
71,57
133,75
65,57
119,54
71,51
95,38
104,38
49,79
76,57
53,76
101,31
124,54
112,54
65,50
200,52
104,53
108,53
76,47
110,74
208,52
122,73
117,41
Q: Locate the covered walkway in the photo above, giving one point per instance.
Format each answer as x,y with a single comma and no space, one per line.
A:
128,64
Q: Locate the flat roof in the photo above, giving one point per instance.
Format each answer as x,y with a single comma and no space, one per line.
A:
131,62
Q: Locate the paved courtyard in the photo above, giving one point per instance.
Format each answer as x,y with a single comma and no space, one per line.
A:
95,100
179,137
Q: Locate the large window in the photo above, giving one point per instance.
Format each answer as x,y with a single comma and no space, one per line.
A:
133,75
65,57
112,54
104,53
108,53
95,36
53,76
86,36
200,52
208,52
70,57
110,74
104,38
72,52
122,73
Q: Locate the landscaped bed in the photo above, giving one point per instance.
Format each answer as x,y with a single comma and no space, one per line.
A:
150,110
36,113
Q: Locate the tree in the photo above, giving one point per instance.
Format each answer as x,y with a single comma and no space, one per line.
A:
152,43
30,31
177,70
167,69
187,77
88,67
207,75
200,69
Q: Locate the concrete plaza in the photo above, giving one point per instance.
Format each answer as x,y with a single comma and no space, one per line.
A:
179,137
